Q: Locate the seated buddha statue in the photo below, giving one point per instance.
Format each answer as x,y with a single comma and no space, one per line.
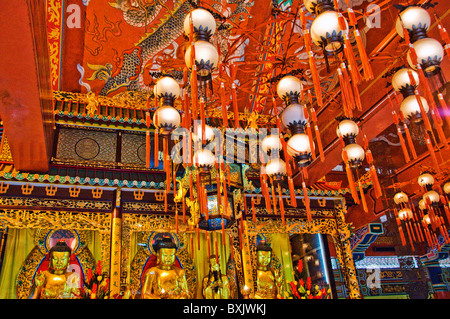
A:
215,285
165,280
57,282
269,284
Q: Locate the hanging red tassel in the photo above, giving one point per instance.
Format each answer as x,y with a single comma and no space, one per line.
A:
311,142
367,68
352,65
447,213
438,125
234,96
348,88
292,192
363,198
355,89
176,220
319,139
444,35
400,137
344,94
313,67
427,234
400,231
373,175
426,121
264,189
205,202
156,143
351,182
431,151
274,197
305,173
223,105
306,202
411,230
281,203
408,137
147,136
202,118
219,193
444,107
410,236
225,196
228,175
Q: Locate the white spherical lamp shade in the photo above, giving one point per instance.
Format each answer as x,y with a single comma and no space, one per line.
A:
446,188
204,158
167,86
276,168
433,196
355,153
426,219
400,198
411,109
412,18
167,117
401,79
289,85
298,144
197,135
429,55
405,214
425,179
293,115
201,20
206,57
422,204
347,128
271,143
326,32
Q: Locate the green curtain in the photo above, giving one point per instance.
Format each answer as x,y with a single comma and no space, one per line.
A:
200,258
282,248
94,246
19,244
133,251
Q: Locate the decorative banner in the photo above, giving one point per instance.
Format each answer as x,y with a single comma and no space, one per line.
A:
54,26
116,239
246,258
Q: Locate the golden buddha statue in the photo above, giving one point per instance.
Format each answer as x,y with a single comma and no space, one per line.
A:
215,285
57,282
269,282
165,280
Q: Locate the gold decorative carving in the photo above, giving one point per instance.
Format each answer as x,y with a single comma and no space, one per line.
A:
97,193
5,152
27,189
54,203
138,100
3,188
159,195
138,195
55,219
51,190
92,105
74,191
